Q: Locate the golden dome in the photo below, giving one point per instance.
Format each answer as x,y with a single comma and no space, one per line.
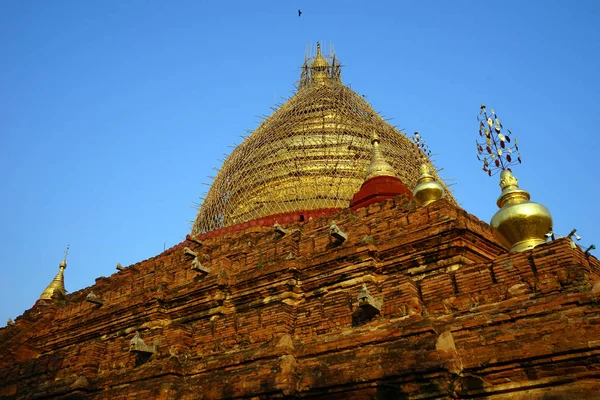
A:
312,153
520,224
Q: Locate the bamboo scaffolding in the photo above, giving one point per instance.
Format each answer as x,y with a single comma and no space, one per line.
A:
311,153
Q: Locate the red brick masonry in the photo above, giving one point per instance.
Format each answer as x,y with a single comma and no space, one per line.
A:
460,317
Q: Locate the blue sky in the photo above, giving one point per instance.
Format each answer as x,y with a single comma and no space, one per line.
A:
113,113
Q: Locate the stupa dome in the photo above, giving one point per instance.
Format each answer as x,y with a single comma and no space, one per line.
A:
312,153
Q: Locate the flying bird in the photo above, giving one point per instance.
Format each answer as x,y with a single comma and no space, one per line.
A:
299,13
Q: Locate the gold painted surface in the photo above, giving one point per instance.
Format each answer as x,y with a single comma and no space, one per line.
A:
311,153
378,166
519,224
428,189
57,286
319,66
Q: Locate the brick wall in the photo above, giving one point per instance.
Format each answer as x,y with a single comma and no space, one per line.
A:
276,316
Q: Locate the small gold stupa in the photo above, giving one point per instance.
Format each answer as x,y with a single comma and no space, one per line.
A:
519,224
378,166
428,189
56,288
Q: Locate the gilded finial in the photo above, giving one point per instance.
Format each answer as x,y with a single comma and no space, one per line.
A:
379,166
317,69
320,67
319,60
57,286
520,224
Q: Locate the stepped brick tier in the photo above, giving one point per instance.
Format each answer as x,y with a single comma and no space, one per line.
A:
444,312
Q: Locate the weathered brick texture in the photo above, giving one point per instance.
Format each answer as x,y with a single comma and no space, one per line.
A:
275,316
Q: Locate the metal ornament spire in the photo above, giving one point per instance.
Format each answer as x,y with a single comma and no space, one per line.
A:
499,150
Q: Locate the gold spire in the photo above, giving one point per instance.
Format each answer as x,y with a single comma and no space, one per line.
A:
519,224
378,166
319,67
428,189
57,286
319,61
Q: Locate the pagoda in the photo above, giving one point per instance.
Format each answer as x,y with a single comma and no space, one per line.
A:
328,260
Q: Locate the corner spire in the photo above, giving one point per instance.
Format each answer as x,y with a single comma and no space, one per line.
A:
379,166
57,286
427,189
520,224
381,181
